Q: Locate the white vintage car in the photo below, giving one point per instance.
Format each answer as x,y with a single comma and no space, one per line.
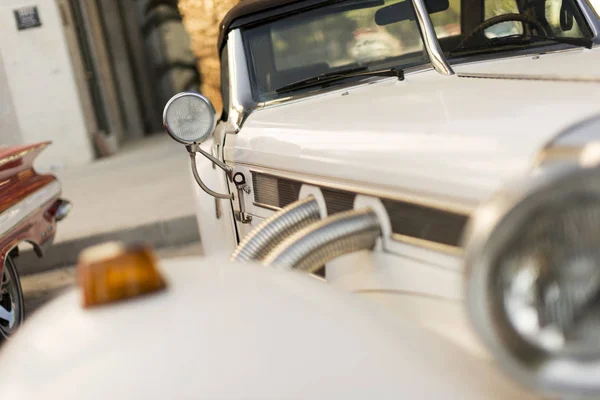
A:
429,220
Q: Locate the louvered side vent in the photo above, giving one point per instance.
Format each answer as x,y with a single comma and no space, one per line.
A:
408,220
277,192
274,192
425,223
338,201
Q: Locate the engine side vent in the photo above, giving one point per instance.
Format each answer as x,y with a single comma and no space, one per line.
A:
274,192
278,192
338,201
409,221
424,223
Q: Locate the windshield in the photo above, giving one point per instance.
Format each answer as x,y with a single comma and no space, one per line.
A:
343,36
500,25
336,37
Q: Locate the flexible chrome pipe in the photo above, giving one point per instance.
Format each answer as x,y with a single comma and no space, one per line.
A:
266,236
314,246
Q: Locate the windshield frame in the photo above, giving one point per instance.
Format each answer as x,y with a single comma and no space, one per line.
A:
593,18
437,58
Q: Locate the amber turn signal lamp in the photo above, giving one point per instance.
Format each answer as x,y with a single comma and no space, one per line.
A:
114,272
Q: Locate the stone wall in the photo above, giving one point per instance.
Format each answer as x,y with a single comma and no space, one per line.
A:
201,19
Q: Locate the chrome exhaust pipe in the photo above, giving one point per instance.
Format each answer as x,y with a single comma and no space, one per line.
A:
314,246
271,232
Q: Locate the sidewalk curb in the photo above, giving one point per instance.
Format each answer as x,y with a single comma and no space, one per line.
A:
175,232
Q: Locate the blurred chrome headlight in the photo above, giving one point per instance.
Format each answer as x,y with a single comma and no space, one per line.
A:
533,270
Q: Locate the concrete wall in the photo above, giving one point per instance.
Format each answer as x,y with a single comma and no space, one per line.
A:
38,74
9,125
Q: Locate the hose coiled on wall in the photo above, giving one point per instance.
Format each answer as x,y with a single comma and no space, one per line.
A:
321,242
266,236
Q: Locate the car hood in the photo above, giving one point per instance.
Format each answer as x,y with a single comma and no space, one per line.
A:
454,138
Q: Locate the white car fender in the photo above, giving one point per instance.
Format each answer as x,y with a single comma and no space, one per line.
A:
226,331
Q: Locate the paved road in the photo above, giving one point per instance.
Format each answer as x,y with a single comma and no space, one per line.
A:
123,197
41,288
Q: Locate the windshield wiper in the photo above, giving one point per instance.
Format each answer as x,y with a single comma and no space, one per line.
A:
528,39
339,75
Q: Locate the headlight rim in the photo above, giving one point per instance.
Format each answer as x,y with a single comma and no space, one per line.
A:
485,235
212,114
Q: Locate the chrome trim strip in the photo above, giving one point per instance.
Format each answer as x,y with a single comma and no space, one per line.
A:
455,206
13,157
266,206
520,77
439,247
14,215
436,55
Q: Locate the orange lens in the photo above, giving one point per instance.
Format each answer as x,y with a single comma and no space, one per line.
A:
113,272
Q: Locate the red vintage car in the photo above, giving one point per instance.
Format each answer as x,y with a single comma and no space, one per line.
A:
30,206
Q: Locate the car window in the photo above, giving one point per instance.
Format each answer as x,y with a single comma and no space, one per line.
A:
568,27
447,23
337,36
494,8
501,25
225,96
225,92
